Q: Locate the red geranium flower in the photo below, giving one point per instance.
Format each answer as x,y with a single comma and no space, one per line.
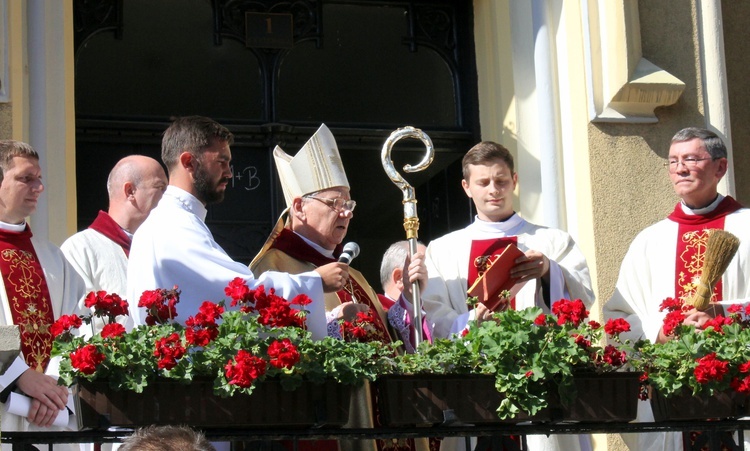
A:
362,328
112,330
718,323
111,305
672,320
160,305
734,308
741,385
169,350
64,324
238,291
710,368
616,326
86,359
671,305
244,369
614,356
567,311
283,354
582,341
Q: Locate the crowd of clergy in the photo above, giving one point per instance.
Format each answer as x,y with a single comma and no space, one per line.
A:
153,235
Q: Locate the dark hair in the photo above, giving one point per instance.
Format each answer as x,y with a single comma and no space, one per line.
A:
10,149
191,134
713,144
486,152
166,438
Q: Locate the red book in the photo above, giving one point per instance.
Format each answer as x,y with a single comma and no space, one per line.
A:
488,286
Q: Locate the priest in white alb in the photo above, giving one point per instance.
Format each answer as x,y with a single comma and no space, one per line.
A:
552,267
664,260
38,286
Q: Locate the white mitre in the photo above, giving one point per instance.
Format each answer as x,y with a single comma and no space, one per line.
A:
317,166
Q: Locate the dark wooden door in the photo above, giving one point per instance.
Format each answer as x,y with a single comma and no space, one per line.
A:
365,68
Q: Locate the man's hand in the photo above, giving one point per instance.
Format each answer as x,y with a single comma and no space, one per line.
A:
348,310
414,270
698,318
335,276
48,398
482,313
695,318
534,265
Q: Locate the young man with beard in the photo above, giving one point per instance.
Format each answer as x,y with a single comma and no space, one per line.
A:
175,247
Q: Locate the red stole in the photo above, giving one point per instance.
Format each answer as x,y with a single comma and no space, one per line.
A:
28,296
107,226
294,246
480,249
692,235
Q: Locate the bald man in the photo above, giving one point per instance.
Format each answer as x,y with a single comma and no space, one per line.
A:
100,253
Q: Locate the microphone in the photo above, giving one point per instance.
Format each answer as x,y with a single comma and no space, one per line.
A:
350,251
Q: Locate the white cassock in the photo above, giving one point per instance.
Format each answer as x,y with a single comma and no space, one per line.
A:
444,299
175,247
102,264
647,277
66,289
447,261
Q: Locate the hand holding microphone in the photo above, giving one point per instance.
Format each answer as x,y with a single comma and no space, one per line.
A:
335,275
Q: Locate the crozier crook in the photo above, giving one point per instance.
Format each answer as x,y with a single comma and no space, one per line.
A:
411,221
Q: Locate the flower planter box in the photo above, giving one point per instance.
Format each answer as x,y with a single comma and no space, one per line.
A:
169,402
473,399
685,406
601,398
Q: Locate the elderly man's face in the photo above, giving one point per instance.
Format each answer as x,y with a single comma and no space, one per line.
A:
694,174
325,224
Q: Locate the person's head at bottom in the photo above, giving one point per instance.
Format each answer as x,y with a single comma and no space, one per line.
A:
166,438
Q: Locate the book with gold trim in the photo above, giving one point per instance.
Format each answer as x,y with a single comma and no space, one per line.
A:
496,279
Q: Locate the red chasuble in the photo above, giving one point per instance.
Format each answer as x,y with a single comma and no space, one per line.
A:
478,256
107,226
692,235
28,296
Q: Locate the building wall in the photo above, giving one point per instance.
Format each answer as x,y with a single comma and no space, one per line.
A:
737,50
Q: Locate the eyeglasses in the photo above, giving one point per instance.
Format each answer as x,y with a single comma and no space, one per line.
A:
690,163
338,203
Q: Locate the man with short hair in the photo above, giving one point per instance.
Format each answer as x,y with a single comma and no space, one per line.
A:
38,286
166,438
100,252
175,247
392,270
659,261
552,267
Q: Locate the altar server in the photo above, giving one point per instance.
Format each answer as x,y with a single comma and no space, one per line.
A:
100,252
552,267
